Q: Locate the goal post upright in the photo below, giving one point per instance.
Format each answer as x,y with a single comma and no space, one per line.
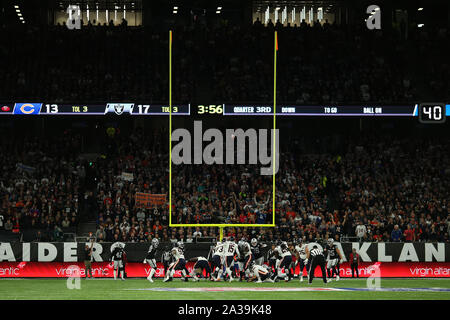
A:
170,127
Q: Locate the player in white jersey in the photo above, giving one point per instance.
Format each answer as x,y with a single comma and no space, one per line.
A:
230,252
285,257
300,250
217,259
179,264
261,273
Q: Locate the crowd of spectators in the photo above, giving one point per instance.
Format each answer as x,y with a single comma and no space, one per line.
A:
40,185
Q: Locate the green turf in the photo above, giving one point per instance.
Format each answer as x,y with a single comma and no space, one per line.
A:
49,289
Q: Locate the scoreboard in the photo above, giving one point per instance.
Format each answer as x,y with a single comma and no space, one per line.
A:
135,109
426,112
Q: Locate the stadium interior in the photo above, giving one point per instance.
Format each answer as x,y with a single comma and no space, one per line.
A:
353,179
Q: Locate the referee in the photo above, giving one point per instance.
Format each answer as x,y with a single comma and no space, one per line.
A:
317,259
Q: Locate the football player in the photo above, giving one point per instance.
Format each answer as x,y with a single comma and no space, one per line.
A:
201,265
272,258
216,254
334,257
300,250
166,259
257,252
261,273
179,264
285,257
230,252
245,252
117,259
150,258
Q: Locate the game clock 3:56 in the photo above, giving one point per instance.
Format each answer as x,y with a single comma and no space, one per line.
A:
210,109
432,113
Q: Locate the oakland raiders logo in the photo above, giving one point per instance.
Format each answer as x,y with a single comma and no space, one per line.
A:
118,109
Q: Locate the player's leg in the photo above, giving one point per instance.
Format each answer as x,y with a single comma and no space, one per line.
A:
329,268
301,267
288,264
152,264
280,268
195,271
337,270
170,271
115,270
324,275
122,270
312,266
182,266
221,269
228,264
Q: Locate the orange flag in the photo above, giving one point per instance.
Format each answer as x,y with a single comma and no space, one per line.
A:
276,41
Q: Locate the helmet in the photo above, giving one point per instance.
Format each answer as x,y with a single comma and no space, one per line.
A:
330,241
254,242
224,240
231,238
180,244
155,242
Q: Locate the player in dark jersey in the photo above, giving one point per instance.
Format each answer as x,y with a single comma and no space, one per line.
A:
166,259
272,258
334,256
117,256
257,254
151,258
201,266
245,253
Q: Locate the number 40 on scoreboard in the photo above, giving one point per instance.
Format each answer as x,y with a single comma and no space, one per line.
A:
432,113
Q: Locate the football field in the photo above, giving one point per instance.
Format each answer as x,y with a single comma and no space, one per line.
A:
138,289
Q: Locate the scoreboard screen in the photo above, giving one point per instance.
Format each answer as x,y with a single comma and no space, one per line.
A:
426,112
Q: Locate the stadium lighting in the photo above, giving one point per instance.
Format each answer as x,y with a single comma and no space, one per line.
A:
217,11
175,8
420,9
277,8
19,14
219,8
21,18
420,25
17,10
17,7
